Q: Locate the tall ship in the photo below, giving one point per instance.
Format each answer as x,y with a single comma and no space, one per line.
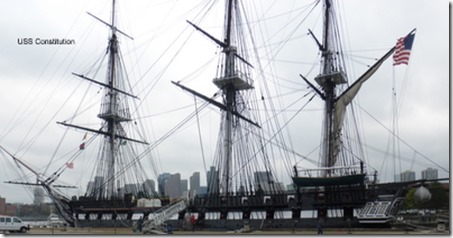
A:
253,146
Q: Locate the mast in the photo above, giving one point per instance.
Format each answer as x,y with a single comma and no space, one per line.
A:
330,78
230,83
230,95
114,112
232,80
331,75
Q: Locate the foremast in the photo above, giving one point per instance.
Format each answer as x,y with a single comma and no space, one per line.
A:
115,114
110,111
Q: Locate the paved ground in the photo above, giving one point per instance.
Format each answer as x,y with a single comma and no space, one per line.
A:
126,231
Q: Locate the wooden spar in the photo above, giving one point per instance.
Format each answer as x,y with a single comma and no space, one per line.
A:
111,26
102,132
217,104
105,85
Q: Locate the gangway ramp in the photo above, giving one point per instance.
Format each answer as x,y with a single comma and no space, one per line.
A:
156,219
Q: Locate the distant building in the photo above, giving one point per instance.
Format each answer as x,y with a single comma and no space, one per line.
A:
161,180
194,181
2,206
38,194
397,178
131,188
149,187
429,173
11,209
96,188
172,186
183,187
264,180
407,175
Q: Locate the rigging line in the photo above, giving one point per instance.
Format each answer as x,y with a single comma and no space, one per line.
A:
281,14
19,172
36,136
292,104
48,100
156,143
290,35
395,128
277,97
268,44
65,133
92,105
280,79
360,56
5,132
290,150
266,88
358,62
165,112
199,134
292,61
178,51
162,72
404,85
401,157
72,158
278,132
298,25
400,139
368,50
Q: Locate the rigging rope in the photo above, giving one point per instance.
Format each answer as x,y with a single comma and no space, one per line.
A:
199,135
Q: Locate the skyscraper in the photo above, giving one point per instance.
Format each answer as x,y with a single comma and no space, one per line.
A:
429,173
407,175
173,186
195,182
161,180
183,187
264,180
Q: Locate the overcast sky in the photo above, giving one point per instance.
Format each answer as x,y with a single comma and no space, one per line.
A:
36,79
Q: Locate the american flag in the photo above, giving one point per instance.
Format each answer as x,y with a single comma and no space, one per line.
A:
403,49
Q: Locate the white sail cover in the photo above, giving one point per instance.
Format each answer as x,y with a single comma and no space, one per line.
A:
343,101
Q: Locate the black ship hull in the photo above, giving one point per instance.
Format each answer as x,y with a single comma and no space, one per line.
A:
235,211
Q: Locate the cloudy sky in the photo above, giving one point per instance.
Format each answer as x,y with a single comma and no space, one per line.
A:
37,88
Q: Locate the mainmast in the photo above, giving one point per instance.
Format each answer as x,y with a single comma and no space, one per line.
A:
230,83
111,116
233,78
331,75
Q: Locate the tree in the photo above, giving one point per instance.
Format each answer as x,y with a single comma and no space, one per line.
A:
439,197
409,200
